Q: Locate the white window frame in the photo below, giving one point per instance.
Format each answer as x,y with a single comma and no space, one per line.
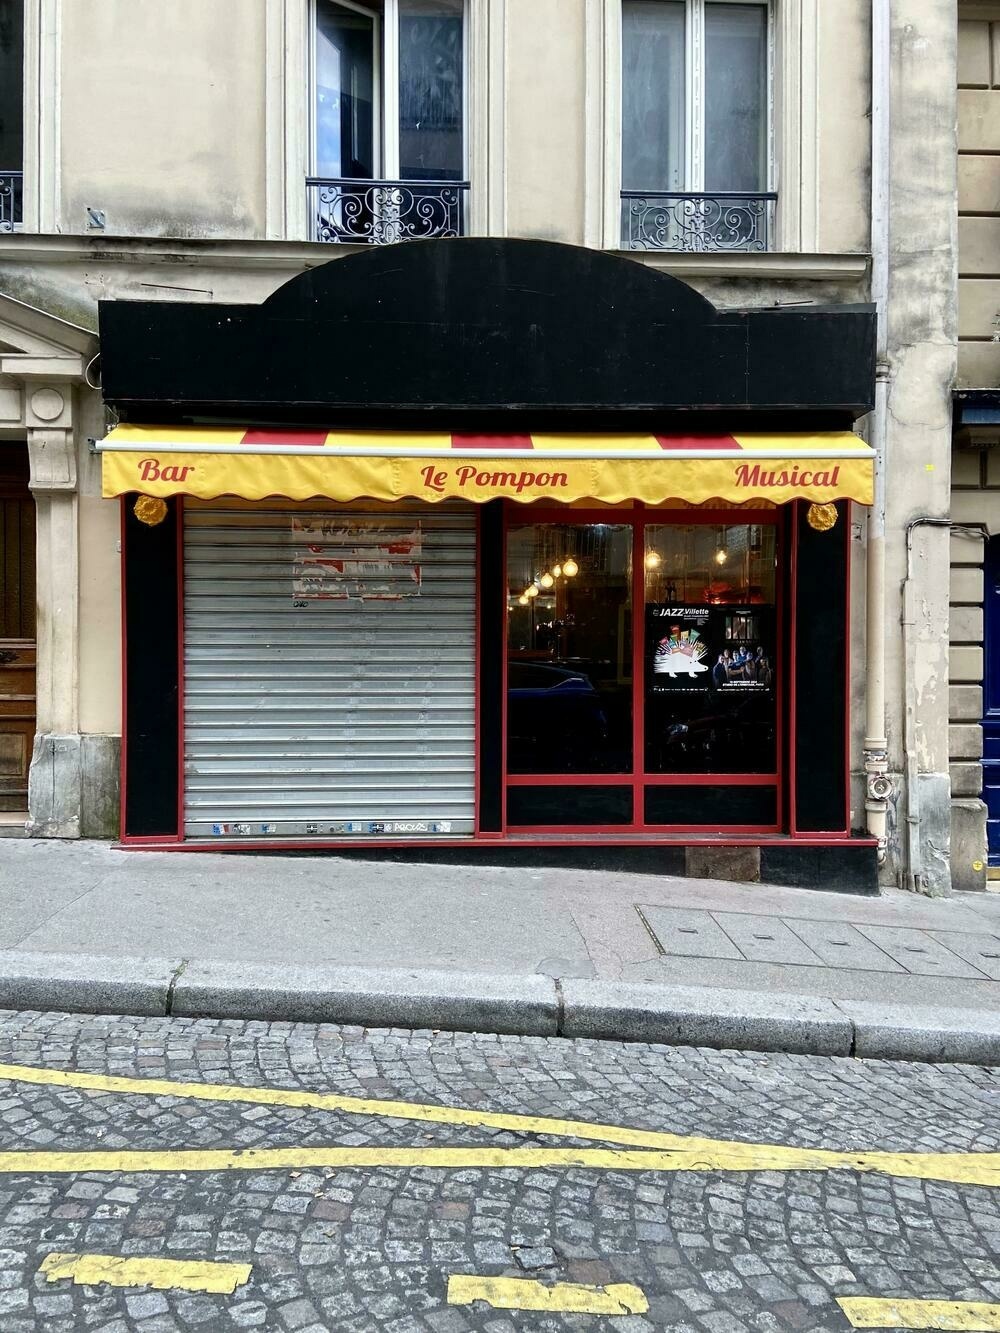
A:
289,112
793,156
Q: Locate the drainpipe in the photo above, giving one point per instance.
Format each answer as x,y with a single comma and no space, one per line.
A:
878,785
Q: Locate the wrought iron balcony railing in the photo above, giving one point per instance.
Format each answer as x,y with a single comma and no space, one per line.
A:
665,220
10,199
369,212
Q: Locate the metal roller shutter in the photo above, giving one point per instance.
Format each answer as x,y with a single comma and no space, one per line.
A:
329,670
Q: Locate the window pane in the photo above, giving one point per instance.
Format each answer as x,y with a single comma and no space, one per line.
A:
345,145
430,90
736,100
569,648
711,649
11,76
653,95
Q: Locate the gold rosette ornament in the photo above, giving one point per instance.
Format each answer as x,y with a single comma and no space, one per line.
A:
821,517
149,509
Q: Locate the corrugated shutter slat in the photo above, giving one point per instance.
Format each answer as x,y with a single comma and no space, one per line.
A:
329,670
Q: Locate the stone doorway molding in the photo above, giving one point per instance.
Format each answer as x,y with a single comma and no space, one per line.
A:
43,370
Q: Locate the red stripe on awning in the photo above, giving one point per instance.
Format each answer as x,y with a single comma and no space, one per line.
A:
491,442
669,442
317,437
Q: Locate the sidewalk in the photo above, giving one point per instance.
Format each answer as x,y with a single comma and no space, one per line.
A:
552,952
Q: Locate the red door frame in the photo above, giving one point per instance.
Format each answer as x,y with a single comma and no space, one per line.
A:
639,517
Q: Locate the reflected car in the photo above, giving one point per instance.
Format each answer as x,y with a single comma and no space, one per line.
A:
555,718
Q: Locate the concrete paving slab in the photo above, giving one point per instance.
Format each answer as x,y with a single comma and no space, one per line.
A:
36,887
765,939
918,952
827,982
982,951
917,1032
82,983
840,945
699,1016
326,914
370,997
687,934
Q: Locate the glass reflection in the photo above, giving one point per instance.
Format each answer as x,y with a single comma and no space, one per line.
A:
569,646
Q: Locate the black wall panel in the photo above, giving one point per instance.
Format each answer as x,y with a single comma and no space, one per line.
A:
151,724
820,667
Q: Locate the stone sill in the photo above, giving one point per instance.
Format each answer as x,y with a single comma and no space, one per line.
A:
27,248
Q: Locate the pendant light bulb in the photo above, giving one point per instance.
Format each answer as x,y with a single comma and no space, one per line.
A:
570,568
546,580
720,556
531,591
653,560
522,600
557,571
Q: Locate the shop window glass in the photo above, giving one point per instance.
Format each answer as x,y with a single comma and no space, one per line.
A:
711,649
569,646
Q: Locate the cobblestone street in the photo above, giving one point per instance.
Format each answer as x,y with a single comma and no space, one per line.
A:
357,1247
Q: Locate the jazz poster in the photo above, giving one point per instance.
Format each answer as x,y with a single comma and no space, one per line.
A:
718,649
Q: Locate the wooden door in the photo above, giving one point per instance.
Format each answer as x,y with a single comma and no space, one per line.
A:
17,627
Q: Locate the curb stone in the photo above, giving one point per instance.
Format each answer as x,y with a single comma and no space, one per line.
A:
370,997
697,1016
85,983
519,1005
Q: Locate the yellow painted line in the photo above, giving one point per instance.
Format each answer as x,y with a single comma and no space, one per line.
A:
332,1101
89,1270
874,1312
669,1152
960,1168
515,1293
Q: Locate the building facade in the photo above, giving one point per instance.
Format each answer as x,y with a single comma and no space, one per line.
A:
780,175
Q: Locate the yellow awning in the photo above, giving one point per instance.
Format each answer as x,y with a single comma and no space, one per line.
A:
207,462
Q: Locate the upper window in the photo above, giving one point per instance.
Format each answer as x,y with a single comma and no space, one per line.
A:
11,111
388,126
695,146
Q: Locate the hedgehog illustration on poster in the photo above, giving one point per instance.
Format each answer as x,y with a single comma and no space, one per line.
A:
680,653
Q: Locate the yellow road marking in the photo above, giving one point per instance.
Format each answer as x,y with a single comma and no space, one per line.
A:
960,1168
87,1270
874,1312
675,1152
332,1101
515,1293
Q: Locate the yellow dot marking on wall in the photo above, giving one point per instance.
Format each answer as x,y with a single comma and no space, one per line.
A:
873,1312
513,1293
669,1152
90,1270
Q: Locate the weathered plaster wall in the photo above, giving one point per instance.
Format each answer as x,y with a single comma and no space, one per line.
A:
100,582
922,355
545,119
843,96
161,116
